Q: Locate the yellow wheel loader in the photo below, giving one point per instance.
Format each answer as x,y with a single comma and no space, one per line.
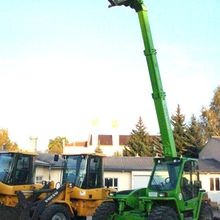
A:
16,174
78,196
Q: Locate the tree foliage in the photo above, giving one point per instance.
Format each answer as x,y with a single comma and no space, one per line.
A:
5,142
180,134
140,143
157,146
98,150
55,145
211,116
196,137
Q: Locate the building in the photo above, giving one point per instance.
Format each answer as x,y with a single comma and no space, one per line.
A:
46,169
127,173
209,159
110,145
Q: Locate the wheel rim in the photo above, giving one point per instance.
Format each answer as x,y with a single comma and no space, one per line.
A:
59,216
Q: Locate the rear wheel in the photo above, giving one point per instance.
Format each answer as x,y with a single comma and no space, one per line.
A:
55,212
105,211
205,212
163,213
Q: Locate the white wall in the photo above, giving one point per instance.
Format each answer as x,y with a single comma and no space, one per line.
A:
48,175
124,179
107,150
205,179
140,179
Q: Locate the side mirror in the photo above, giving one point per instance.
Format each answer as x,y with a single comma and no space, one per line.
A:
56,157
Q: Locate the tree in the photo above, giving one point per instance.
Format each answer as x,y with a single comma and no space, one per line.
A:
211,116
98,150
196,132
55,145
196,138
180,131
157,146
5,142
139,143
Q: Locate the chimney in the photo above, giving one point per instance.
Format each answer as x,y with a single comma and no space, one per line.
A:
33,143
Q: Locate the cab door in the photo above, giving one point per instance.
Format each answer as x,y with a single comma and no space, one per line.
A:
190,186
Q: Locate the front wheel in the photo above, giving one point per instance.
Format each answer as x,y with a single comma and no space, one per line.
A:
163,213
205,212
105,211
55,212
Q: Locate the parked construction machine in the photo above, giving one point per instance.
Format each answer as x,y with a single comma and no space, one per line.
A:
79,194
16,174
174,190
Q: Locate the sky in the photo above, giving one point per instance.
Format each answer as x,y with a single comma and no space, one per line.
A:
64,64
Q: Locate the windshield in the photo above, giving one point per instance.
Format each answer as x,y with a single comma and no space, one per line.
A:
5,164
75,169
165,175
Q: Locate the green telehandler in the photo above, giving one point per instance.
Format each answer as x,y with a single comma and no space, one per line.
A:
174,190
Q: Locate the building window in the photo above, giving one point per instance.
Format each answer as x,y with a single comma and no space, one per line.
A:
217,184
214,184
211,184
39,179
111,182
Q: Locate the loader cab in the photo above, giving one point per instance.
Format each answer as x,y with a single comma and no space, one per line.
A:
16,168
84,171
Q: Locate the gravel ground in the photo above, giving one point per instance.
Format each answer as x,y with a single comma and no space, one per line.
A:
216,214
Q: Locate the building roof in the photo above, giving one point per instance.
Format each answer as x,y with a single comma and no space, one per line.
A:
105,139
45,159
128,163
209,165
211,150
119,164
123,139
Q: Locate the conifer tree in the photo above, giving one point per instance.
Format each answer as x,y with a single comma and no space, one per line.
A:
140,142
180,131
196,138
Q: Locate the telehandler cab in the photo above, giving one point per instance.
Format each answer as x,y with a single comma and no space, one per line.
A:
174,191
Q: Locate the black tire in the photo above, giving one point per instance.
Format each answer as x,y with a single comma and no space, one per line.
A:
104,211
163,213
205,212
8,213
80,218
55,212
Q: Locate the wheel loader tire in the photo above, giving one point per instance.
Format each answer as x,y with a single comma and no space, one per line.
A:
163,213
55,212
104,211
9,213
206,212
80,218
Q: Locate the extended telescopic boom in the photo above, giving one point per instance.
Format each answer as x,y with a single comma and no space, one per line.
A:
158,94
